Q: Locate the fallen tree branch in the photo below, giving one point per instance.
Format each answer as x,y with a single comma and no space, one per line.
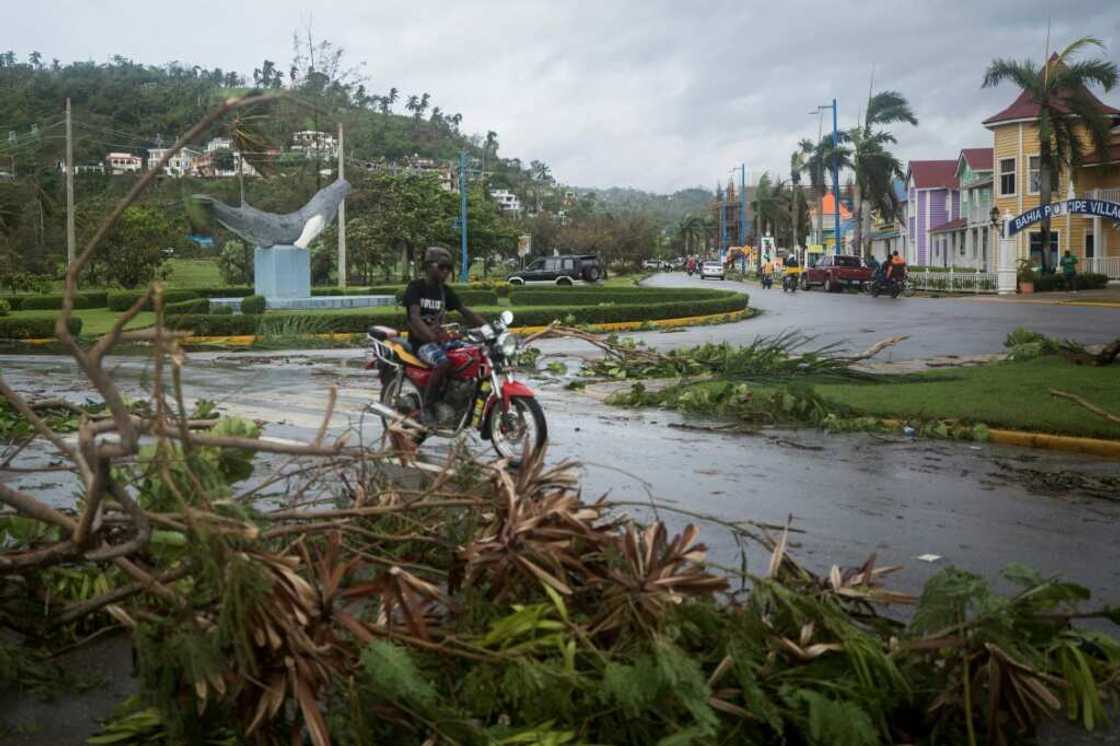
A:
1086,404
876,348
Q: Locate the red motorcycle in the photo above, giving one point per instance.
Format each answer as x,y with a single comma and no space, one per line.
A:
479,391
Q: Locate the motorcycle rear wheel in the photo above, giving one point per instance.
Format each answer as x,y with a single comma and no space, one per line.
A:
508,431
390,395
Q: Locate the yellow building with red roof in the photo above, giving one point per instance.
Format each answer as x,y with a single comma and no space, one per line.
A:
1095,240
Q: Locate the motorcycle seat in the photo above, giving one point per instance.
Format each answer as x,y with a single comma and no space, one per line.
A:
403,351
382,333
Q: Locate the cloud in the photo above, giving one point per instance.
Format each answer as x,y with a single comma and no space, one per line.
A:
653,94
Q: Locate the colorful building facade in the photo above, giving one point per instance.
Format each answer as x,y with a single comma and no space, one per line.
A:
1094,240
826,241
968,239
932,200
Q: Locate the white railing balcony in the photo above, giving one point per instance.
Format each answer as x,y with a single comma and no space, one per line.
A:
979,213
1108,195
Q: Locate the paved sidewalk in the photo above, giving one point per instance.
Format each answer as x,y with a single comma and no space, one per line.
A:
1103,298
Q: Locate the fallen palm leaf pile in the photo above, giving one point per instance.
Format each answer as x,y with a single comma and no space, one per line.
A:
1024,344
380,598
767,358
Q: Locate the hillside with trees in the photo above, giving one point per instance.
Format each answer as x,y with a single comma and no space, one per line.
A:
125,106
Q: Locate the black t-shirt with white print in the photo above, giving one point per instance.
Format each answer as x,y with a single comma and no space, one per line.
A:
434,300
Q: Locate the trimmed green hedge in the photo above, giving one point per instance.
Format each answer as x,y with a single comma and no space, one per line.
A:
379,290
123,300
254,305
229,291
213,325
84,299
1083,281
472,296
34,327
195,305
625,296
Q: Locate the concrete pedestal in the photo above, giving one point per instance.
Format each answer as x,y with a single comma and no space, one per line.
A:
1006,269
282,272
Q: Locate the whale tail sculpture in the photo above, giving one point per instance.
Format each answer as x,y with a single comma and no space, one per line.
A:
266,229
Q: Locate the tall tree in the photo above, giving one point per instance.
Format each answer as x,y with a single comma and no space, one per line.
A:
1067,112
689,229
875,167
818,160
796,166
770,203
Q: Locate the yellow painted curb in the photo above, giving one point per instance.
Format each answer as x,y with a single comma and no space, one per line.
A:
1093,446
1072,443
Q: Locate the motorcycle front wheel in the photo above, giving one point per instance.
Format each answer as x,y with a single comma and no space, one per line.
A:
510,431
874,290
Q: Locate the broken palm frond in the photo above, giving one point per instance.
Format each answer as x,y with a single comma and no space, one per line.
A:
383,598
1025,344
766,358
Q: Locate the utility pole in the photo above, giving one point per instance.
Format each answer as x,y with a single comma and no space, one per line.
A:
464,269
722,226
341,212
743,215
836,177
70,240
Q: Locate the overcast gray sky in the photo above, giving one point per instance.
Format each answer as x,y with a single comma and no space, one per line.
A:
654,94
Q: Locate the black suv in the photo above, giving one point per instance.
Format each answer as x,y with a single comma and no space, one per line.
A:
565,269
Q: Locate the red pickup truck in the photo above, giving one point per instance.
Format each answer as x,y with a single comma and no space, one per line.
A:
834,272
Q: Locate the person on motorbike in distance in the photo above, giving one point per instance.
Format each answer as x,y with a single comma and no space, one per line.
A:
896,270
427,301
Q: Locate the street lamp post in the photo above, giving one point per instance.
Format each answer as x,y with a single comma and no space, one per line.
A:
835,172
742,213
465,267
722,227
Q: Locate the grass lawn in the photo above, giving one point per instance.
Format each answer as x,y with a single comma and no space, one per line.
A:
193,273
1010,395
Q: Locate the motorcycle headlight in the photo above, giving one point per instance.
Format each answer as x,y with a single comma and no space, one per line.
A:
508,344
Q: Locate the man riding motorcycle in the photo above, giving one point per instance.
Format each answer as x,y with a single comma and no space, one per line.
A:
427,300
896,269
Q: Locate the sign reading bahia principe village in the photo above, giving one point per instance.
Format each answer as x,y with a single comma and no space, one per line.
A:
1095,207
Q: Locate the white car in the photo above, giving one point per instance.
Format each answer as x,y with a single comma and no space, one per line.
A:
711,269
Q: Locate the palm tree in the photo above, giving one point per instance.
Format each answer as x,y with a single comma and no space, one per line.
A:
248,139
875,167
796,166
770,203
690,228
818,159
1066,110
390,99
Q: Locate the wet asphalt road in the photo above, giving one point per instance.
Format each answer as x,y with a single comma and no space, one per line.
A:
851,494
936,326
